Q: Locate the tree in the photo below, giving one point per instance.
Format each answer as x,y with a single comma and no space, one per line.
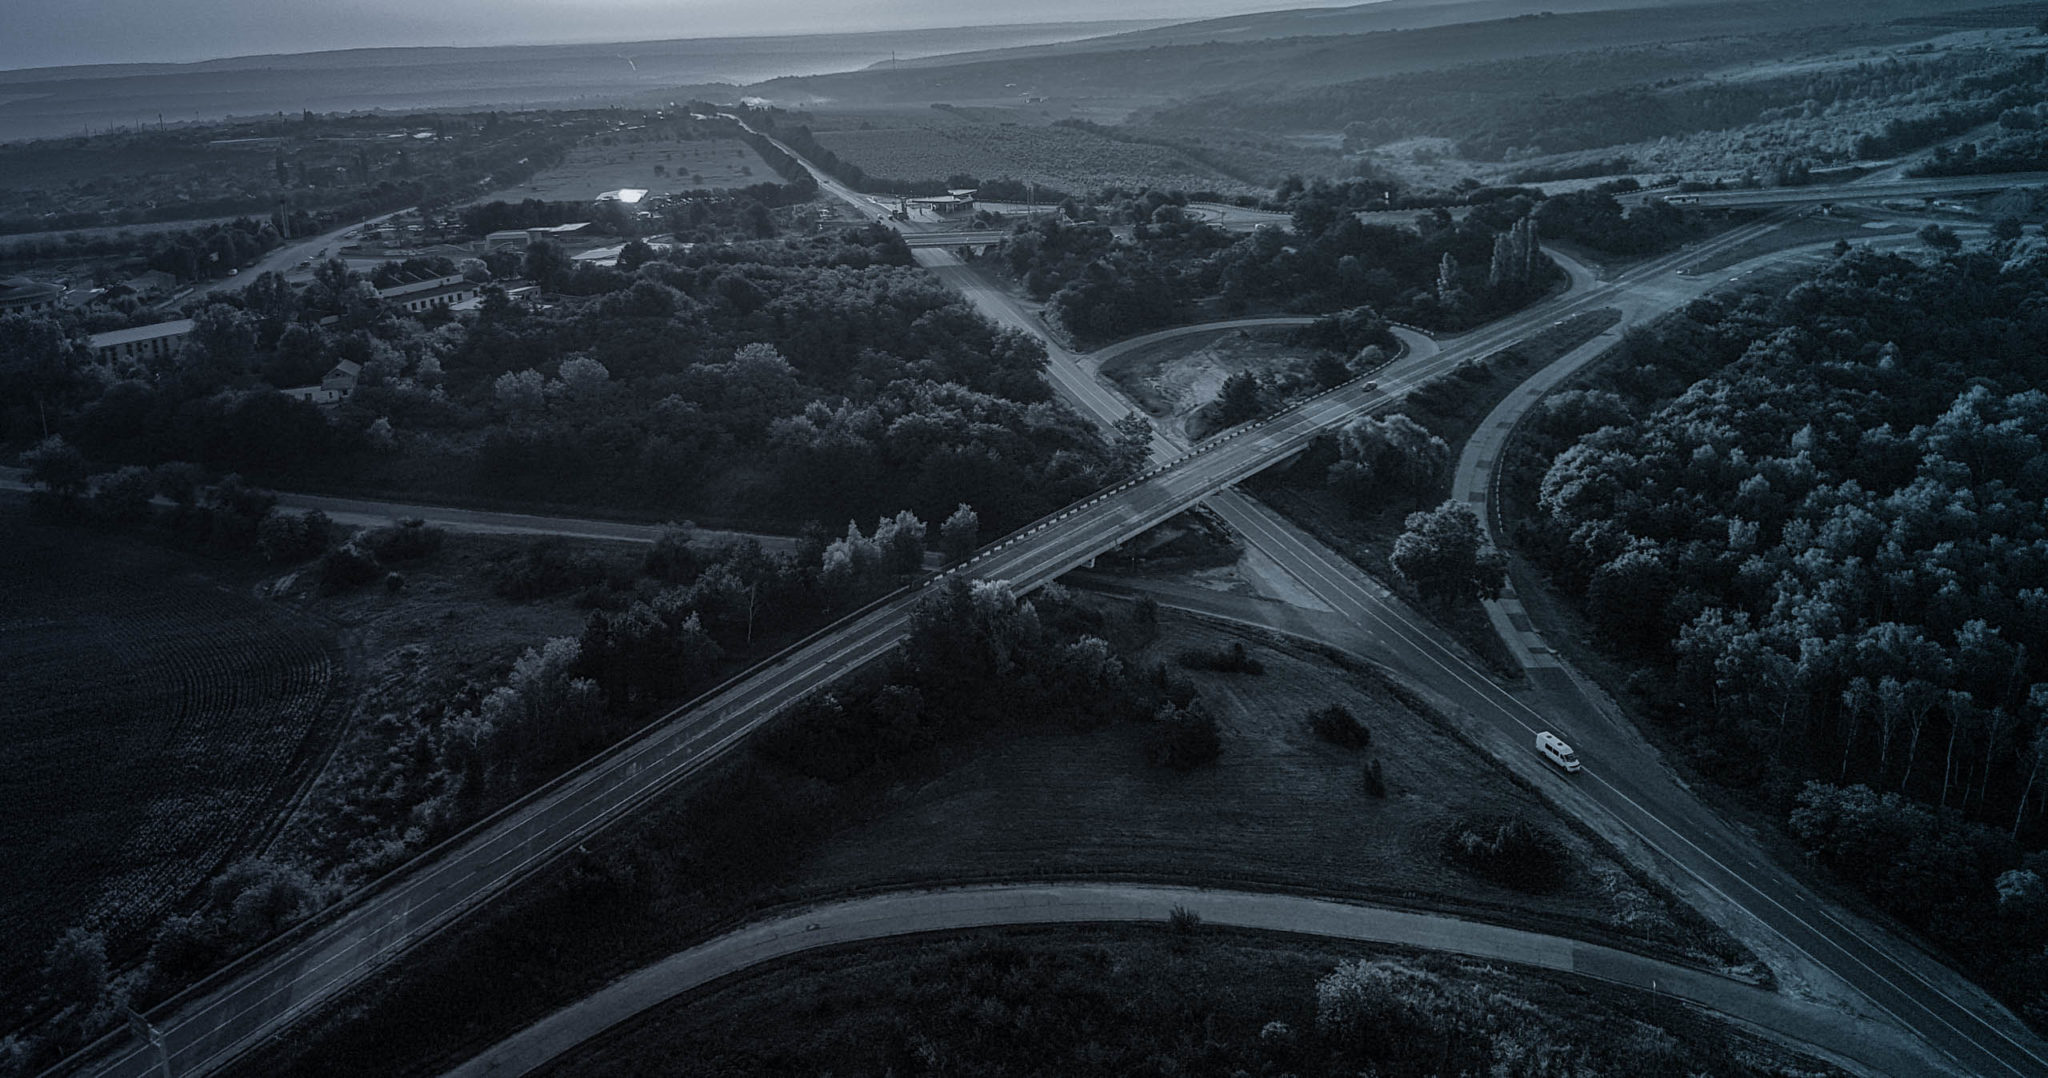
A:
2007,229
1444,554
636,253
123,497
900,540
1240,399
1329,369
1626,600
583,377
1132,446
520,392
1448,291
1184,738
1941,238
960,534
546,263
1394,451
57,467
75,967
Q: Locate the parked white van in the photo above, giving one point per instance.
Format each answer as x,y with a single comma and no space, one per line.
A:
1556,751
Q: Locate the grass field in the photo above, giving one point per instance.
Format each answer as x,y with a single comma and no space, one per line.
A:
1102,1001
156,719
905,146
606,165
1280,809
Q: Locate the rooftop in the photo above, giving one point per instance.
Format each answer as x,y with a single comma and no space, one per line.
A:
175,328
19,289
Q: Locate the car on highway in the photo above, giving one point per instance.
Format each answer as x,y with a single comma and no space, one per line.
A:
1552,748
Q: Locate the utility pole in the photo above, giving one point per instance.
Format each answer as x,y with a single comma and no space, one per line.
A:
153,1036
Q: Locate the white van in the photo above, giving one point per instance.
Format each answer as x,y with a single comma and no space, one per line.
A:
1556,751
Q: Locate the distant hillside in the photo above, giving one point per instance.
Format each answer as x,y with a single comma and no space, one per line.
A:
1196,60
1302,22
41,102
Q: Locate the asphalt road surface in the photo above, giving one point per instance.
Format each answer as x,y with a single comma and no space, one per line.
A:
1867,1046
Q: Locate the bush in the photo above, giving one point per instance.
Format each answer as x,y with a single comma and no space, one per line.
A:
294,537
671,559
1233,659
546,567
1184,920
1338,726
346,568
408,540
1184,738
1511,852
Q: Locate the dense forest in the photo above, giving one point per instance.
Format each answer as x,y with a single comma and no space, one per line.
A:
766,382
1833,543
1439,274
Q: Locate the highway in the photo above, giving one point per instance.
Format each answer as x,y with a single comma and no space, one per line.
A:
267,991
223,1016
1866,191
1627,791
1868,1046
288,256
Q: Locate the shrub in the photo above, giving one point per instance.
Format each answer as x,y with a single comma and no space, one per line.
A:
346,568
1184,738
1184,920
671,559
546,567
408,540
1338,726
1511,852
294,537
1233,659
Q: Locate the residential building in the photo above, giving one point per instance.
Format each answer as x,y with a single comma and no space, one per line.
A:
420,296
19,295
159,341
335,386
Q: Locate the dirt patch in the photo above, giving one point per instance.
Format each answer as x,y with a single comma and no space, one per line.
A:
157,718
1173,382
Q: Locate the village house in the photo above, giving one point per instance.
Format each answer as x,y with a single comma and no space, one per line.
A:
335,386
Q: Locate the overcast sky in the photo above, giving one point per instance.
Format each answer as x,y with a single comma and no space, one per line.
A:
46,33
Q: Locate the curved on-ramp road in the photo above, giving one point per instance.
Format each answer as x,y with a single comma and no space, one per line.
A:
1865,1047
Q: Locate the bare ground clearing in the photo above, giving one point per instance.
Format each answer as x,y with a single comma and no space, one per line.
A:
1175,383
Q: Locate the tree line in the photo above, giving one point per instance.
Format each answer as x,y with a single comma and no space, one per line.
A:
1818,519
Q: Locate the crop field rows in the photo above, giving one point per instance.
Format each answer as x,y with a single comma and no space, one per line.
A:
156,718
